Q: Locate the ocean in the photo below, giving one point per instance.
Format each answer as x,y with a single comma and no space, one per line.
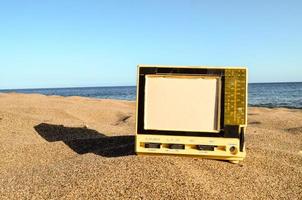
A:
287,95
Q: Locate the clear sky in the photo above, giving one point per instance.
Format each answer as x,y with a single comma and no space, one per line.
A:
75,43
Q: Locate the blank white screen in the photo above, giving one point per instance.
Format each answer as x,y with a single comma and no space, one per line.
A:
187,103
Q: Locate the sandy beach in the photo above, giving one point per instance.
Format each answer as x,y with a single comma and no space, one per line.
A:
54,147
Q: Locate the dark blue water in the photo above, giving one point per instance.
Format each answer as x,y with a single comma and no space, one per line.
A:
124,92
288,95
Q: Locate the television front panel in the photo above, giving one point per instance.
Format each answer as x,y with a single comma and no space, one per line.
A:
198,111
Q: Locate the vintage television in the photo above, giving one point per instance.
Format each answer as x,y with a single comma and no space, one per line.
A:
196,111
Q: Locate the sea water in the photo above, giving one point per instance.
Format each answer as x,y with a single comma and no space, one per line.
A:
288,95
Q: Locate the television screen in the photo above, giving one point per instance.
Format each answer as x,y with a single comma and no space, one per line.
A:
182,103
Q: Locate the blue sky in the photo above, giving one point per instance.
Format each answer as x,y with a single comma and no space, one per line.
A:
99,43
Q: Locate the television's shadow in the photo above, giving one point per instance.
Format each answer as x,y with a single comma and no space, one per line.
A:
84,140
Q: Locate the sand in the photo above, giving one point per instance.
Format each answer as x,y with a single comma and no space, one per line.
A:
55,147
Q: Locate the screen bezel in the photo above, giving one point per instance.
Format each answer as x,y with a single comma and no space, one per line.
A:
143,71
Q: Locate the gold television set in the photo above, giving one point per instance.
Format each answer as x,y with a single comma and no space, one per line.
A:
197,111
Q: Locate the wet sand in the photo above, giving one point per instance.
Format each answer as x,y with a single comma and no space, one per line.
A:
55,147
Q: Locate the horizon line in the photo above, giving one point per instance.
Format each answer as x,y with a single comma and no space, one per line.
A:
74,87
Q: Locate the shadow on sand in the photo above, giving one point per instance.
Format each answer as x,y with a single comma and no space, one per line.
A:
84,140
